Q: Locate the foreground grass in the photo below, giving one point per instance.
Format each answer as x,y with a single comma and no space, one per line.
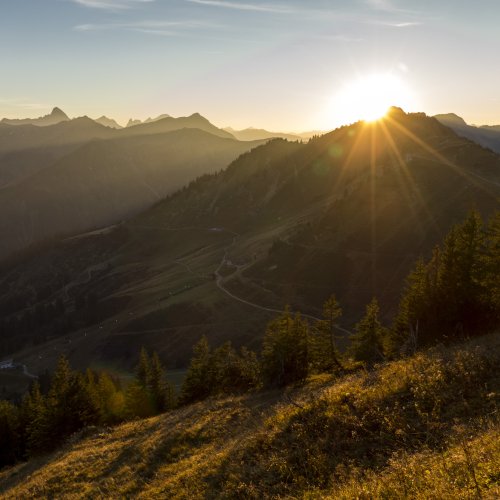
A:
424,427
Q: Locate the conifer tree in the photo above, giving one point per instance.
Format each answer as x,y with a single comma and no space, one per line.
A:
11,446
324,353
111,400
36,422
138,404
285,350
367,339
196,385
143,370
70,404
162,392
233,372
491,262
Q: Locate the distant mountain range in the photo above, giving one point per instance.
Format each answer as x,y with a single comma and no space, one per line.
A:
78,174
486,135
133,121
248,134
252,134
107,122
286,223
56,116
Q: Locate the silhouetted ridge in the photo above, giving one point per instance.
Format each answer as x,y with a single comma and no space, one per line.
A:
451,118
488,137
59,113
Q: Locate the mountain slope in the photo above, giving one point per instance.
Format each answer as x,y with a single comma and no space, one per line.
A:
253,134
27,149
288,223
104,182
424,426
167,124
488,137
108,122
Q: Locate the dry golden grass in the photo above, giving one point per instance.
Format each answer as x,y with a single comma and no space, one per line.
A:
425,427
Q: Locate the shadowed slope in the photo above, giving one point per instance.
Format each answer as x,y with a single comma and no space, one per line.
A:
396,430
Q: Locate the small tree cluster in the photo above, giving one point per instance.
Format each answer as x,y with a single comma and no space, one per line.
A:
150,393
74,400
455,293
285,350
221,371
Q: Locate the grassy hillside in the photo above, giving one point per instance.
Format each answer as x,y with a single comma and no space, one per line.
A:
423,427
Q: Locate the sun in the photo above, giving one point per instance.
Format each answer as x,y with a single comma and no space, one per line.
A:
369,98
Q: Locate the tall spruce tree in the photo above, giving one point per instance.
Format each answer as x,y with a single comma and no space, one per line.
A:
367,339
162,392
285,350
197,384
11,445
324,352
36,422
491,262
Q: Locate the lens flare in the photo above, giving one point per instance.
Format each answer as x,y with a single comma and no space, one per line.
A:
370,97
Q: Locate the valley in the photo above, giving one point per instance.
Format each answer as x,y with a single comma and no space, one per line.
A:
287,223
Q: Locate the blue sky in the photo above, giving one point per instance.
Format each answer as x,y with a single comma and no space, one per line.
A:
266,63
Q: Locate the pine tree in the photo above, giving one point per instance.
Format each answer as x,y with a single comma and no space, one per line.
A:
197,384
324,353
111,400
36,422
412,313
138,403
232,372
491,263
11,446
285,350
162,392
367,341
70,404
143,370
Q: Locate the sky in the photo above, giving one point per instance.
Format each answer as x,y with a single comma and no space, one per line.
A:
284,65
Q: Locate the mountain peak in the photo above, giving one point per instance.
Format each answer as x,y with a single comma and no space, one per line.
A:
451,118
395,111
59,113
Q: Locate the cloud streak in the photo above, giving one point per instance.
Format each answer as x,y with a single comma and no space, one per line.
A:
111,4
278,9
159,28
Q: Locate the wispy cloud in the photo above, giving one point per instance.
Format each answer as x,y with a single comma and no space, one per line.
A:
407,24
279,9
111,4
396,24
23,104
160,28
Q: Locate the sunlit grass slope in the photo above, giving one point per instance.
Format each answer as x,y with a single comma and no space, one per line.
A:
424,427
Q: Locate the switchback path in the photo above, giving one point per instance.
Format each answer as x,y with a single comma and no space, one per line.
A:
219,282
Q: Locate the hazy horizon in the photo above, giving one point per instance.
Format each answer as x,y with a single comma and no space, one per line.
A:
279,65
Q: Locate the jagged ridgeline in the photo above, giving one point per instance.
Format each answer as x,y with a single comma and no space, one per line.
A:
62,177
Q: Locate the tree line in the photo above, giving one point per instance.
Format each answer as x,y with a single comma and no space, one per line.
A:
44,419
454,294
